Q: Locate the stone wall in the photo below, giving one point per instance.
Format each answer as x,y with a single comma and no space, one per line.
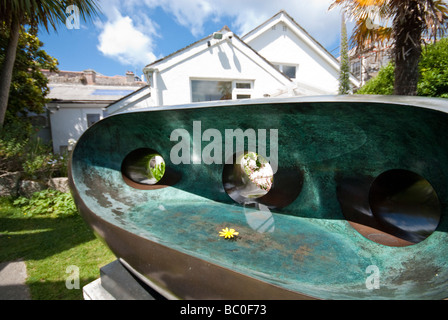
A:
90,77
11,184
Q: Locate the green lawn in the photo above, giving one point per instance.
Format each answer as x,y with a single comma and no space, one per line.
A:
49,245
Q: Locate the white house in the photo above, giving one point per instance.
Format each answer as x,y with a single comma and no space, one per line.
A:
79,99
277,58
289,47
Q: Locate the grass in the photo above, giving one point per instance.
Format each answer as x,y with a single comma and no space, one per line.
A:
49,245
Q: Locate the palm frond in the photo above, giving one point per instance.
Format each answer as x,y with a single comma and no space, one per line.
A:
47,13
436,19
364,36
432,15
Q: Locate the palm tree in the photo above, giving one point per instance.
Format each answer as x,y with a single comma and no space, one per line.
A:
407,22
14,14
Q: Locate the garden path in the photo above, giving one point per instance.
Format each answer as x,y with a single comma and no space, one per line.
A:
12,281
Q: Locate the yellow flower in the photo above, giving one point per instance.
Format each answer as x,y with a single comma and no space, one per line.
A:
228,233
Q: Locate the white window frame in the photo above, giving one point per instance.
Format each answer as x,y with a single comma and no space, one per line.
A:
242,91
279,67
356,68
235,91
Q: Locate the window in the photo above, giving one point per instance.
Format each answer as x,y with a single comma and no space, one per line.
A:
244,85
356,69
206,90
288,70
242,90
92,118
212,90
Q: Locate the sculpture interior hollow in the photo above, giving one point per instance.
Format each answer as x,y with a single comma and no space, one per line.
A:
356,182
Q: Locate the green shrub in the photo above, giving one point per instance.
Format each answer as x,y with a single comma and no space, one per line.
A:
46,165
433,77
382,84
22,150
158,171
47,202
434,70
13,140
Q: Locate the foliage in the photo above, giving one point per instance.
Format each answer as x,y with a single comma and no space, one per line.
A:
433,81
401,23
29,85
258,170
344,76
48,245
382,84
374,17
47,202
158,171
15,15
434,70
22,150
47,14
20,147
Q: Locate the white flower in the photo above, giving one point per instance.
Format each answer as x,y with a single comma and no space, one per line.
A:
261,175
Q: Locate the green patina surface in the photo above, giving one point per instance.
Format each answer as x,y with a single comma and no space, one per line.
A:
306,246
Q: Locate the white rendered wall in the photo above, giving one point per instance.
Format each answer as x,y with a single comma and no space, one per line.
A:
222,61
69,123
280,46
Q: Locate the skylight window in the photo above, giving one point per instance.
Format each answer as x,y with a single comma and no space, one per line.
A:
111,92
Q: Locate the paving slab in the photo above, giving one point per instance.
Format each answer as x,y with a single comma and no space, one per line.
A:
12,281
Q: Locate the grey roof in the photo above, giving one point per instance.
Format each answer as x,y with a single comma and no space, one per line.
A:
88,93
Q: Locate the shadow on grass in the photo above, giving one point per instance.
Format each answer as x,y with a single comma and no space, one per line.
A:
57,290
49,245
40,237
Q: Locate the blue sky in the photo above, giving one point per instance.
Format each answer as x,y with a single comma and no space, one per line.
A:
131,34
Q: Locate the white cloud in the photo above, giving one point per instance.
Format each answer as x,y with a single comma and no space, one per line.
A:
191,14
129,41
130,33
120,39
248,14
245,14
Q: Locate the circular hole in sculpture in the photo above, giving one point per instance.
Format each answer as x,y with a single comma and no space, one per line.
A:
143,166
249,177
405,205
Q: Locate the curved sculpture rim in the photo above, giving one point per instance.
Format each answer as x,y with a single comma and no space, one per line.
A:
314,235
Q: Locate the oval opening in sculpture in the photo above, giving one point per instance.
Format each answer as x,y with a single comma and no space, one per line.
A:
405,205
143,166
249,177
